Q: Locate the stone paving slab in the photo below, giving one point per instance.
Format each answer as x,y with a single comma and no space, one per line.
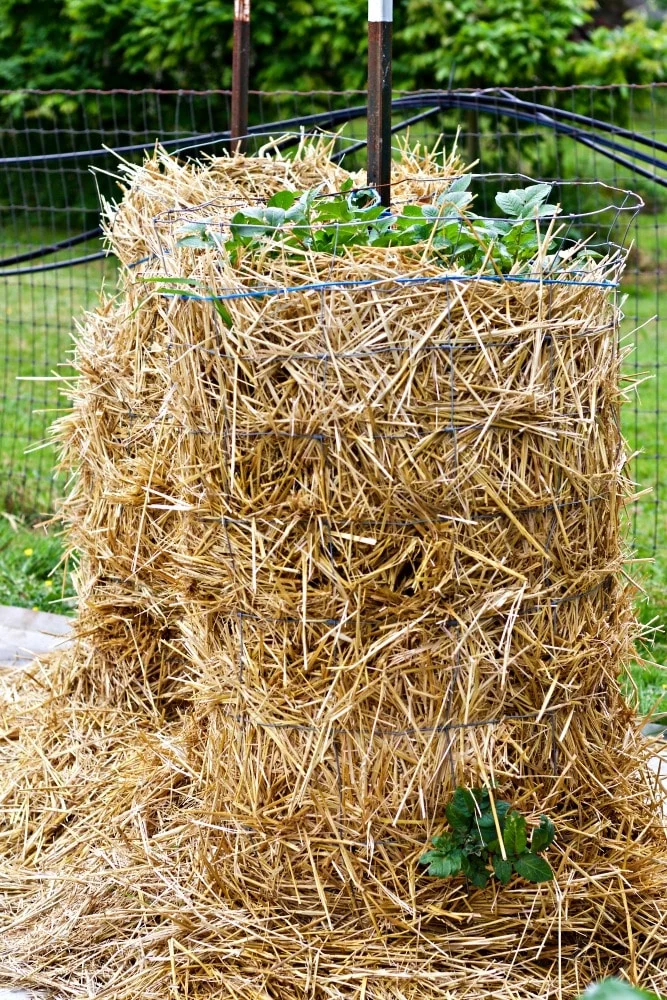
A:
25,634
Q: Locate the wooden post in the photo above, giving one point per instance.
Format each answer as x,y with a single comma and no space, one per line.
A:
240,75
380,17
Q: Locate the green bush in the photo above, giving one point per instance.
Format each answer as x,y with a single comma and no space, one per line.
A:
633,53
487,42
302,44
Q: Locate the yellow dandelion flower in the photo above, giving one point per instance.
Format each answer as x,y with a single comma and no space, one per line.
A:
35,608
28,552
48,584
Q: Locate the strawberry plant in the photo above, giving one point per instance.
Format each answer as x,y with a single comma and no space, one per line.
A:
488,838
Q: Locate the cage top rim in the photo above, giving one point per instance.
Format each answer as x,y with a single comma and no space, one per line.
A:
632,202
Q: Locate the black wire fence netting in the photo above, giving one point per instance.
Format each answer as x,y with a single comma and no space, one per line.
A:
60,153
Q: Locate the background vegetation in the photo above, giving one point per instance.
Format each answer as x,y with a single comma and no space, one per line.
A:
301,44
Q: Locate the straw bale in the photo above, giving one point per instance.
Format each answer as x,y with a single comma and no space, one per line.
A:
355,548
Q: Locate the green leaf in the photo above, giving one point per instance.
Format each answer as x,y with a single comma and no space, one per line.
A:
430,856
441,866
297,213
486,820
487,825
460,184
535,195
243,230
547,210
283,199
502,869
333,211
502,809
525,203
459,199
475,870
441,243
510,202
456,860
533,868
411,212
482,797
274,217
616,989
373,213
195,241
543,836
480,878
461,810
442,842
347,185
223,313
250,214
514,834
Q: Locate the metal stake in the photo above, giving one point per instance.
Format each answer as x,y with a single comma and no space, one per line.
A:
380,17
240,75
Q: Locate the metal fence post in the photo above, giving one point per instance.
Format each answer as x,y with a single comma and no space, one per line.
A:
240,75
380,17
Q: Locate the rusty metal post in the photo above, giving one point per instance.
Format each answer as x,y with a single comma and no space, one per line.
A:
380,18
240,75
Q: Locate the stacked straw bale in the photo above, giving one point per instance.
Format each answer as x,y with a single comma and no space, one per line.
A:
356,548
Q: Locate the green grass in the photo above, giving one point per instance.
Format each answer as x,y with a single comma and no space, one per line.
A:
33,573
35,340
645,428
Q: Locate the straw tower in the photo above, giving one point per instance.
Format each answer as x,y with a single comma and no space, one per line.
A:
342,548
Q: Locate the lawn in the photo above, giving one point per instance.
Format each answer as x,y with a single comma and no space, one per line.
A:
37,340
32,570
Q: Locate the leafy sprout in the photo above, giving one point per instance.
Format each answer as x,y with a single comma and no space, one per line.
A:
293,221
488,838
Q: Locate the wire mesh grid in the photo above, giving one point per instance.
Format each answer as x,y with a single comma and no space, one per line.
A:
49,197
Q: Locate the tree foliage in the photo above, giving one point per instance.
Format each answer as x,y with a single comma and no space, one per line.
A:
635,52
483,42
302,44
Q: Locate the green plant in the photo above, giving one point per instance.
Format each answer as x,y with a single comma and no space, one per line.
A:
446,228
487,838
616,989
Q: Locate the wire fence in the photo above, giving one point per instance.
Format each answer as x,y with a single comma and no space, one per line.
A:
57,160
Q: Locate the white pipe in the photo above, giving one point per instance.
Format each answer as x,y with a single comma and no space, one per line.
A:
380,10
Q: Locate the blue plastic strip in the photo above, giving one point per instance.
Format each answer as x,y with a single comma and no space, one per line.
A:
258,293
